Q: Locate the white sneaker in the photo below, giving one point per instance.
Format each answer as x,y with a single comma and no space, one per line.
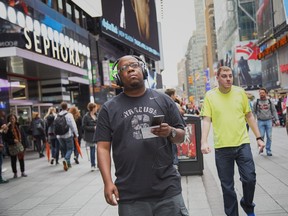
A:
93,168
4,170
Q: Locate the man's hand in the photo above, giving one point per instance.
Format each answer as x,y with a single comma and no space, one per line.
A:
277,123
205,148
261,146
111,194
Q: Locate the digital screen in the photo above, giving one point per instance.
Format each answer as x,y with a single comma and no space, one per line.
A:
132,22
112,72
4,84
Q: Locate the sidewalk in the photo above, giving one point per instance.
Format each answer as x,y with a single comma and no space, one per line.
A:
48,190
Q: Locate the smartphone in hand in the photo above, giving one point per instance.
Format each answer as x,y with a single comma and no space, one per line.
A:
157,120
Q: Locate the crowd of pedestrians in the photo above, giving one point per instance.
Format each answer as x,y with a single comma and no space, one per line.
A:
147,180
43,133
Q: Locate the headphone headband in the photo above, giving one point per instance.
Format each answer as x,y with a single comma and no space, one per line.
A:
117,77
117,61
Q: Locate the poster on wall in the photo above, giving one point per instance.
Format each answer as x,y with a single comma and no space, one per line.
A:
187,149
247,66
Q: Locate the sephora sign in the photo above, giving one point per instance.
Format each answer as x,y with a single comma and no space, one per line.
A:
45,40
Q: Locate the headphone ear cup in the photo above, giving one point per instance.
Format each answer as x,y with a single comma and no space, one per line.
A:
118,80
145,72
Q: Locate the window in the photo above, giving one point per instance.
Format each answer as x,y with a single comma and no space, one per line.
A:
68,11
77,16
60,6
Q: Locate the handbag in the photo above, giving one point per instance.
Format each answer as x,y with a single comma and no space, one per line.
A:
15,149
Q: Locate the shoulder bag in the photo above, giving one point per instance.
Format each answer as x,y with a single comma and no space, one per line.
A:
15,149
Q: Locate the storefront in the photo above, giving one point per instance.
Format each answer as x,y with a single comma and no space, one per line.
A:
42,53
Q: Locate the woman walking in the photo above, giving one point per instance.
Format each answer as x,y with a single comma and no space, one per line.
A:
38,132
52,139
89,127
12,137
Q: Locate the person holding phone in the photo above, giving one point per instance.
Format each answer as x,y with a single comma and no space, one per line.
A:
146,182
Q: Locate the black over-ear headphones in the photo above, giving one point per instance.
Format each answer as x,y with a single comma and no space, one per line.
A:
117,77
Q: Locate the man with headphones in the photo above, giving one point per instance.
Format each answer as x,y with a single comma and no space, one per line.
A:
146,182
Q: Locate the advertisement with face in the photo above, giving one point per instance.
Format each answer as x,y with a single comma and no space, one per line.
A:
132,22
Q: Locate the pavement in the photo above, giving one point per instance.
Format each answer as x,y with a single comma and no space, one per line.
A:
48,190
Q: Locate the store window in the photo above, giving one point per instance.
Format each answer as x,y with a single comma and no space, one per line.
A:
84,21
77,16
68,11
60,6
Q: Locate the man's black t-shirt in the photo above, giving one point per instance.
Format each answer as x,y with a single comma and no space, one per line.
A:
144,167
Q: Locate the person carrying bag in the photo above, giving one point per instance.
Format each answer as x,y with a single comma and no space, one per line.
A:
12,137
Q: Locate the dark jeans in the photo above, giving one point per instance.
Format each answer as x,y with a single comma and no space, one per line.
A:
76,153
1,161
67,146
225,161
40,143
173,206
55,148
14,162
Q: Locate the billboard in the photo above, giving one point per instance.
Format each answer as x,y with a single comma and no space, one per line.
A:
132,22
247,66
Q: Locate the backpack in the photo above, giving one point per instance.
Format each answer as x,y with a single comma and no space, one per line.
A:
60,125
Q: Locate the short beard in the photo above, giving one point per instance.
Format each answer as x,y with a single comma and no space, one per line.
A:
135,85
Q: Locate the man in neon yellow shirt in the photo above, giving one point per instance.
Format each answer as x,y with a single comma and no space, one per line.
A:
227,107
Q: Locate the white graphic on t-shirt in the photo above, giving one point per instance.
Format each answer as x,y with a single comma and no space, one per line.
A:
139,121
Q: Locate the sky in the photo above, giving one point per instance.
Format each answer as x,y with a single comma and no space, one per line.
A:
178,24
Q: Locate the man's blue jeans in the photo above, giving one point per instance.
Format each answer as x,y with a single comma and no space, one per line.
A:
266,127
67,145
225,161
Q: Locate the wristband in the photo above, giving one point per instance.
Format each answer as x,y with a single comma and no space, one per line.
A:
259,138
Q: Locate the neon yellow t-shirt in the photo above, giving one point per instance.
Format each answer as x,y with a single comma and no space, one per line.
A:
227,112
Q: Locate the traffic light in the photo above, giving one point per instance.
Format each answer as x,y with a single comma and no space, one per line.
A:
190,80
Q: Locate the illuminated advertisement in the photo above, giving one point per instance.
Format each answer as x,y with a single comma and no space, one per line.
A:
132,22
248,72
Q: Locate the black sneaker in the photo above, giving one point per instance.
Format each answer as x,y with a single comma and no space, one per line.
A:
52,161
41,155
3,181
76,160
